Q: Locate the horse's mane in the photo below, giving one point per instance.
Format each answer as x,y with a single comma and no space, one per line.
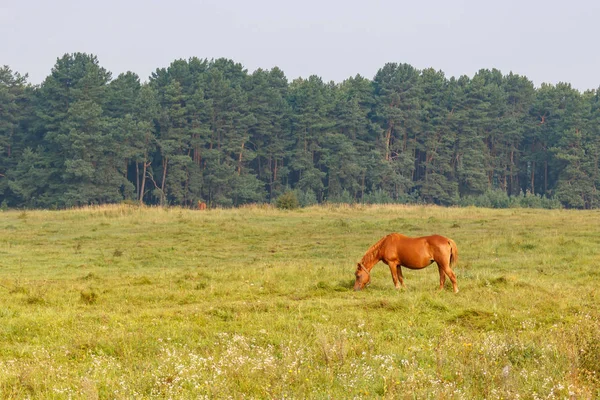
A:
371,254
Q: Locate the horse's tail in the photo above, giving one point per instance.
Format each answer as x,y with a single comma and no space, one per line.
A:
453,253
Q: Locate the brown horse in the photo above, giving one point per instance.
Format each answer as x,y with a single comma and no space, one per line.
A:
399,251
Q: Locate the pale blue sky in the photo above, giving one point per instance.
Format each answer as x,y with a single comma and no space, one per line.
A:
547,41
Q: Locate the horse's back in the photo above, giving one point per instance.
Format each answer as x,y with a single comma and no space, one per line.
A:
437,239
416,252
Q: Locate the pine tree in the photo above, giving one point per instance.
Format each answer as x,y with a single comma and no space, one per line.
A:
346,151
311,101
399,113
15,107
270,132
78,138
520,94
435,144
469,120
575,184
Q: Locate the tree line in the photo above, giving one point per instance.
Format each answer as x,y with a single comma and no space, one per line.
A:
209,131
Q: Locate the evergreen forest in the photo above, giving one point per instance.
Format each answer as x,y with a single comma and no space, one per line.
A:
209,131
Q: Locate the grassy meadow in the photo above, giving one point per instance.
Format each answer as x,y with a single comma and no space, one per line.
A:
124,302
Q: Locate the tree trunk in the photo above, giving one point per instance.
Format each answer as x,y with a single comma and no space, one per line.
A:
146,165
362,190
197,157
270,178
388,138
259,168
533,177
165,163
512,163
275,173
546,177
137,179
240,160
186,186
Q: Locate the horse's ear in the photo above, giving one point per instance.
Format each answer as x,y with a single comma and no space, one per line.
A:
358,265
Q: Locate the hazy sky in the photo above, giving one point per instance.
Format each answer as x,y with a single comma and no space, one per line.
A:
547,41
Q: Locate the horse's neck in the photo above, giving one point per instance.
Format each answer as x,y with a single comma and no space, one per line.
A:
372,256
370,262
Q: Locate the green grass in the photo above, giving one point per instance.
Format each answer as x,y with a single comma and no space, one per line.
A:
125,302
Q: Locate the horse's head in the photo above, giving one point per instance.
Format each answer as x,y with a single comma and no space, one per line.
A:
363,277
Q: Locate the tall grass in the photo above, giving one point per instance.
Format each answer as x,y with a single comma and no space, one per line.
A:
126,302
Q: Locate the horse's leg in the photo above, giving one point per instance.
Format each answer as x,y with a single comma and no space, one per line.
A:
394,267
452,277
400,276
442,277
444,268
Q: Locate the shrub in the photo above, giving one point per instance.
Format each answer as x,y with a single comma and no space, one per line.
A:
378,197
88,296
343,198
499,199
306,199
287,201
